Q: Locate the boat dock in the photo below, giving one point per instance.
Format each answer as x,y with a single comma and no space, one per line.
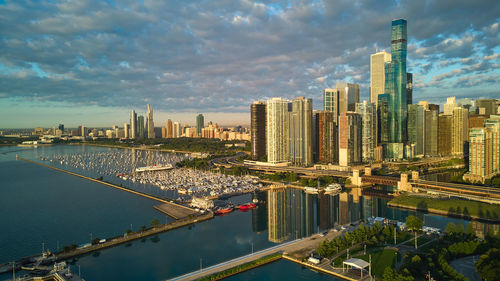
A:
175,211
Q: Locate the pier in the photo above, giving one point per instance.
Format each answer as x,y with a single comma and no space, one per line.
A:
175,211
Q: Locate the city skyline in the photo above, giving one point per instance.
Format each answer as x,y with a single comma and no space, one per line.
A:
231,55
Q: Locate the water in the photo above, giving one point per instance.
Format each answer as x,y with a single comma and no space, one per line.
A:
40,205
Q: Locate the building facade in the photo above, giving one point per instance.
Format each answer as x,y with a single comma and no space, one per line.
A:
258,129
133,125
368,113
377,74
327,138
331,102
445,123
169,129
348,96
460,130
301,132
416,128
349,139
150,123
200,123
277,131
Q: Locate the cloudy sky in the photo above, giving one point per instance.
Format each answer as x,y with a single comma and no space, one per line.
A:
90,62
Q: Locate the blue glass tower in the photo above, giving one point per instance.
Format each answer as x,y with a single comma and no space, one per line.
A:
395,84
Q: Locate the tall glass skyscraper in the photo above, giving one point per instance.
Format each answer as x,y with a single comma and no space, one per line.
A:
395,83
200,123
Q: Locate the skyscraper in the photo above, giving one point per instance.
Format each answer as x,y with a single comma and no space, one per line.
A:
200,123
449,106
349,138
377,74
140,126
348,96
409,88
416,128
384,117
368,113
331,102
301,132
444,134
133,125
493,125
431,129
327,138
150,123
258,129
480,160
459,130
126,130
395,83
177,130
277,131
486,106
169,129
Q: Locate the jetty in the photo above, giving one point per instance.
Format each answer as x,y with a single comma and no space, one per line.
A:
175,211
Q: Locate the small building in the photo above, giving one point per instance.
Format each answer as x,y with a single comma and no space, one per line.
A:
355,263
314,260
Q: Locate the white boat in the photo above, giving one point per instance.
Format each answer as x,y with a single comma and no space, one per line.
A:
333,188
154,168
311,190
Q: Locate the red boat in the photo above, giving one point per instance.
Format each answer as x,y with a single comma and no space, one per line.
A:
223,211
120,175
247,207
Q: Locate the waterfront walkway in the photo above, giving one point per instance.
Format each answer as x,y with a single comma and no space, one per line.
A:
298,247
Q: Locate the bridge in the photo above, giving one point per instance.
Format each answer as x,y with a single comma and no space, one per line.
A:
463,190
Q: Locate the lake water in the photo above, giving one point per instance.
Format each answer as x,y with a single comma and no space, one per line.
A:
40,205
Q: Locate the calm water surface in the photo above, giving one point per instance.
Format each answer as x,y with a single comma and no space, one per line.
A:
40,205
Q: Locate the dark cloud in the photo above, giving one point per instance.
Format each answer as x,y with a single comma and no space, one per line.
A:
221,55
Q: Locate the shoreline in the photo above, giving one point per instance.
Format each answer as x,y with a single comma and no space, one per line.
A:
442,213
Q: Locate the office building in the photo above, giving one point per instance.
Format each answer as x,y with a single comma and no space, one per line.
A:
384,117
468,103
486,106
416,128
395,83
368,113
431,129
258,130
493,126
200,123
377,74
331,102
140,127
349,138
460,129
444,134
348,97
133,125
61,127
83,131
150,123
169,129
327,138
277,130
301,132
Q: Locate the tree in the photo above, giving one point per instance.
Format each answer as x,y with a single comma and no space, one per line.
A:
451,228
460,228
469,230
413,223
155,222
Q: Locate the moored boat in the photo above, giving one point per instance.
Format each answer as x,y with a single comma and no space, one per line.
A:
247,206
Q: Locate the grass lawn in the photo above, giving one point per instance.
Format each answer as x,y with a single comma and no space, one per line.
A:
381,260
452,206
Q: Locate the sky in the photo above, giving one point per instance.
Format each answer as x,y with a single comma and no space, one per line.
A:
91,61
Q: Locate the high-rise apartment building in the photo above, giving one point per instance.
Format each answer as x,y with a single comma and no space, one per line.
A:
416,128
449,105
327,138
480,160
431,129
140,127
349,138
331,102
493,126
377,74
384,117
200,123
150,123
126,130
277,131
368,113
348,96
395,83
177,130
169,129
460,129
301,132
83,131
133,125
444,134
258,129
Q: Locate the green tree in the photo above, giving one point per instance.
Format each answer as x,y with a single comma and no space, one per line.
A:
469,230
413,223
155,222
451,228
460,228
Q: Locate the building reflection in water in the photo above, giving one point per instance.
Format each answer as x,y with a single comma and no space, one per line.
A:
292,213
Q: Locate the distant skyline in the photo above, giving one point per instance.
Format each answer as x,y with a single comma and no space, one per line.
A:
91,62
